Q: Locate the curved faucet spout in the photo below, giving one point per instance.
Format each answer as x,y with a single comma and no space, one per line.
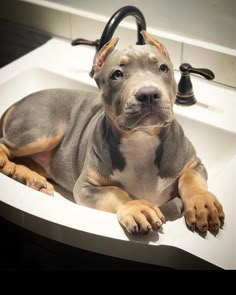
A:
116,18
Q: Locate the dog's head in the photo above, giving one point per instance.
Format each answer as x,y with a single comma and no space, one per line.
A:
137,84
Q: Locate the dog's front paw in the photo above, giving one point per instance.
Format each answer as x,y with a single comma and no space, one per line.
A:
204,212
140,216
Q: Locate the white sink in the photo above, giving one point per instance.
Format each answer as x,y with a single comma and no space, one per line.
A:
210,125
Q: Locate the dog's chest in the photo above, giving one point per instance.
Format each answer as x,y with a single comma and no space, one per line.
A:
140,176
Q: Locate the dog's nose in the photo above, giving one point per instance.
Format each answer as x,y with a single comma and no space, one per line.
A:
148,94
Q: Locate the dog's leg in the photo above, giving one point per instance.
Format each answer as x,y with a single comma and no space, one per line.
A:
21,173
137,216
201,208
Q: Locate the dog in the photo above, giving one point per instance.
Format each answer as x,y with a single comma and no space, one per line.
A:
120,151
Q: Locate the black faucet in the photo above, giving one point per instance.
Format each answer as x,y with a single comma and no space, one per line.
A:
111,26
185,95
113,23
116,18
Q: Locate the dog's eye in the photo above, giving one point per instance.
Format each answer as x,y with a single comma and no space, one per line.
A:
163,68
117,75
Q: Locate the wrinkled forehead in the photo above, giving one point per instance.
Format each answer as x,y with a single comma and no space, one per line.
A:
136,54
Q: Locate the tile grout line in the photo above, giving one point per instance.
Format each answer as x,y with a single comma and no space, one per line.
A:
182,52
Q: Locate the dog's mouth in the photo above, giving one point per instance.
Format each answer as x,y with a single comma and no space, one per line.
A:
144,119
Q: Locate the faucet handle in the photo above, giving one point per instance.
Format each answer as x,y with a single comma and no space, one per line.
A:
185,95
186,68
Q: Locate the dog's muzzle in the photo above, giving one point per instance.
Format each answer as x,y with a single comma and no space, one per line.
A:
147,109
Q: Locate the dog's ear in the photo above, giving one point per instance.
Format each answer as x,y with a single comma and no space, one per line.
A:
150,40
102,54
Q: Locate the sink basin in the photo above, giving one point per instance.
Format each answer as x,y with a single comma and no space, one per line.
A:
212,130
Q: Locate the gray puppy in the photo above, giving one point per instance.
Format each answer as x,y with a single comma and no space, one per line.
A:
126,155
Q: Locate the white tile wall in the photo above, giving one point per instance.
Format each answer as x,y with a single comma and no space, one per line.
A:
223,65
82,27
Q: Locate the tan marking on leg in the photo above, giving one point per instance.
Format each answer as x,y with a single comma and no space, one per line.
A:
98,180
200,206
191,177
111,198
43,144
111,194
4,151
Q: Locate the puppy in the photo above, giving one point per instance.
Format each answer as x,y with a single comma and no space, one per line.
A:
120,151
